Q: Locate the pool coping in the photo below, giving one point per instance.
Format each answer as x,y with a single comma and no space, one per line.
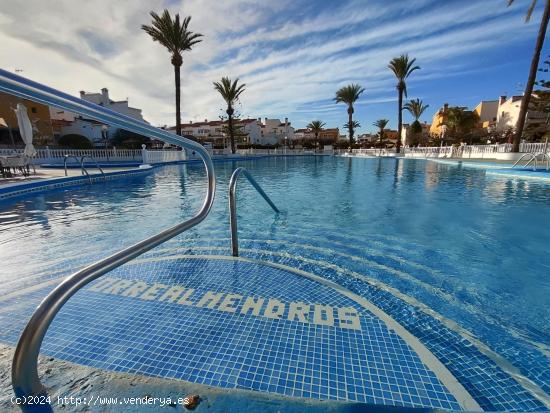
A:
23,188
93,384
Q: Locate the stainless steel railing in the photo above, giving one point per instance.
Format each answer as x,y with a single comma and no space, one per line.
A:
83,169
24,372
66,159
532,158
96,165
233,204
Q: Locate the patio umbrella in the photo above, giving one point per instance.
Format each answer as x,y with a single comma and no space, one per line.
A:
25,129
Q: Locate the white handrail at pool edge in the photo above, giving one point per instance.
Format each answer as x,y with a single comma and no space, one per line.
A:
25,380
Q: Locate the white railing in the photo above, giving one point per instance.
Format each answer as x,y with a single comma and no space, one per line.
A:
474,151
47,155
162,156
429,152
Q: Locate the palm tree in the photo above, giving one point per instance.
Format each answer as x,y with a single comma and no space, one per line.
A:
348,95
381,125
316,127
402,68
230,93
532,71
354,125
460,122
175,36
416,108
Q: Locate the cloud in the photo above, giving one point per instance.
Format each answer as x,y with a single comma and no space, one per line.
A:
292,55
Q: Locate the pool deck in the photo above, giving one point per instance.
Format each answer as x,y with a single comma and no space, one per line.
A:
48,173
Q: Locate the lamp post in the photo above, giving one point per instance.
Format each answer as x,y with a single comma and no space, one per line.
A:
105,136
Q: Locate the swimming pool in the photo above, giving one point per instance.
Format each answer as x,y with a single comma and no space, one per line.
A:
458,258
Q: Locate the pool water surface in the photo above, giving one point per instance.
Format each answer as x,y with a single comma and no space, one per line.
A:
456,257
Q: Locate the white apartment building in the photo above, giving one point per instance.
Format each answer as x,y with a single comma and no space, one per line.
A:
93,130
213,131
120,106
271,132
508,114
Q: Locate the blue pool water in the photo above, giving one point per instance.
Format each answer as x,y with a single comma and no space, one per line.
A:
458,257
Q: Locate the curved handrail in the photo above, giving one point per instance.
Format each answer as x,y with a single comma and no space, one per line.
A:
533,157
24,371
545,155
233,204
76,159
96,164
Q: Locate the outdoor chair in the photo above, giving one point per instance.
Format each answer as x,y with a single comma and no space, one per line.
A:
15,163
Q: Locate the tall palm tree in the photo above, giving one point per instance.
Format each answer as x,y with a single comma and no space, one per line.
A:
416,108
177,38
401,67
230,92
316,127
381,125
349,95
532,71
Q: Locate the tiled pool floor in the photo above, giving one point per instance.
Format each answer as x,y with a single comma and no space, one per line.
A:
240,323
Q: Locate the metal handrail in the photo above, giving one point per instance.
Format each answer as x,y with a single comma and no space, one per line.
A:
233,204
533,157
96,164
24,372
545,155
76,159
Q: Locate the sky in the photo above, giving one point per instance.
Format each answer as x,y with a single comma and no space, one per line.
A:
292,54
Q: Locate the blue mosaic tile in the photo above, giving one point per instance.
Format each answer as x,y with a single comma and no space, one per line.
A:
320,359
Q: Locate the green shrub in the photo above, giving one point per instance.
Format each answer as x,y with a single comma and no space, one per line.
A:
75,141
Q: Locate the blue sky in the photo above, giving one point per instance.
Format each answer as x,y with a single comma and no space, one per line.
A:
292,55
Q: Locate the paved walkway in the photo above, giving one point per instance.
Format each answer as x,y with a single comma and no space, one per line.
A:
49,173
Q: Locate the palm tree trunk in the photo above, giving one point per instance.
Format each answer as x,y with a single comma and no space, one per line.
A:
230,126
178,97
532,77
316,142
350,125
399,119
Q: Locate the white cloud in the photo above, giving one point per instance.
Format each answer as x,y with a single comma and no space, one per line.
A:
89,45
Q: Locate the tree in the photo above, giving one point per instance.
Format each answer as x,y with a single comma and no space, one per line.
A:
230,92
538,127
532,70
461,122
75,141
316,127
416,108
402,69
131,140
349,95
175,36
381,125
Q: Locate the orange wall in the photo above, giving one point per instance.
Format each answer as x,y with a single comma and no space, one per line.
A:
39,115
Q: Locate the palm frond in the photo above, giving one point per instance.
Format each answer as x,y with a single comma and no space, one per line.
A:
316,126
171,33
416,108
230,91
349,94
381,123
402,68
529,10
